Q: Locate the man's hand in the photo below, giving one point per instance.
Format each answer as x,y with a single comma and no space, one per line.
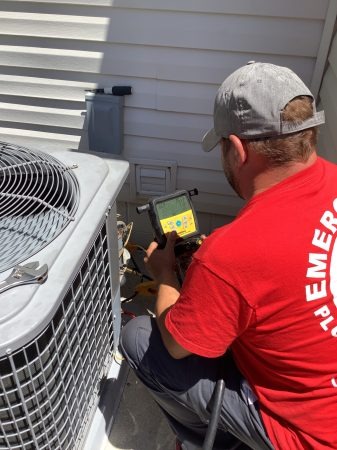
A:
161,262
161,265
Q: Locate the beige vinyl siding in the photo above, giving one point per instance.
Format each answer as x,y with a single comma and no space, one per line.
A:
286,8
328,102
174,55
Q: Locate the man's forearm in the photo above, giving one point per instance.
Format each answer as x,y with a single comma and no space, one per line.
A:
168,294
161,264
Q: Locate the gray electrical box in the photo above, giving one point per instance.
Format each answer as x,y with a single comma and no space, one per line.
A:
105,122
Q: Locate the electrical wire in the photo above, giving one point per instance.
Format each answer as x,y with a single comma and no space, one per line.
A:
128,230
143,275
132,246
137,272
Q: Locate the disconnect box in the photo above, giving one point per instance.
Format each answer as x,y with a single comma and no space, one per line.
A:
105,119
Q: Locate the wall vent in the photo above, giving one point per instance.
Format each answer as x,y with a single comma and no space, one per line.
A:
152,178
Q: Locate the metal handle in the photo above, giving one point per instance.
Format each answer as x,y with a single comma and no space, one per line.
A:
143,208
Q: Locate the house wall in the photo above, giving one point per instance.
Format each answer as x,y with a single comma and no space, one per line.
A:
174,54
328,101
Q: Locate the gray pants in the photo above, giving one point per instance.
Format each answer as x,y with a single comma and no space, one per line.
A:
184,391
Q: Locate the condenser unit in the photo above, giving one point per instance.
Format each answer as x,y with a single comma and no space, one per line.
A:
58,334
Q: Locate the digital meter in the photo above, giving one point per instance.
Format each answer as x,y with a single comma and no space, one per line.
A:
173,212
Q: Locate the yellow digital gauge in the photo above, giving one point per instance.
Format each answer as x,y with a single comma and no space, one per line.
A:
174,212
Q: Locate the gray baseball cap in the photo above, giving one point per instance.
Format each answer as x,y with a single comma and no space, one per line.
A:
250,101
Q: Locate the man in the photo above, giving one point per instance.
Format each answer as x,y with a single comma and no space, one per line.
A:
261,290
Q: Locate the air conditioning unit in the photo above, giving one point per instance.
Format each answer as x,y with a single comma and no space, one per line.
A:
57,338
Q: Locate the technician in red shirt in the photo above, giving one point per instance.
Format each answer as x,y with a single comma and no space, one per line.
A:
261,290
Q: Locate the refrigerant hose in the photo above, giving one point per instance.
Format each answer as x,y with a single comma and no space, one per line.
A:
219,391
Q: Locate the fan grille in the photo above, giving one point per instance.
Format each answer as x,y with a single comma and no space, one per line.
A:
50,387
39,196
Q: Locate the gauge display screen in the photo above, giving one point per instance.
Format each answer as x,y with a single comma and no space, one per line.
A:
176,214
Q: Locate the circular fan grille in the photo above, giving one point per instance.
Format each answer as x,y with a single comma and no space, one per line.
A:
38,198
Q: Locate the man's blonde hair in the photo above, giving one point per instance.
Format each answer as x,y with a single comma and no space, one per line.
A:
292,147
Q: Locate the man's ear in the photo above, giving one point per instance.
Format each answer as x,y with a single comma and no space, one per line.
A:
241,153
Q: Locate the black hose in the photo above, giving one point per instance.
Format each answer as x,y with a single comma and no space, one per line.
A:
138,271
219,391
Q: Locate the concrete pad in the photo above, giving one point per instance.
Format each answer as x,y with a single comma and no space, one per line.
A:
140,424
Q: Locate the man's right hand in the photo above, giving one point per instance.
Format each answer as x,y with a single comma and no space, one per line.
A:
161,262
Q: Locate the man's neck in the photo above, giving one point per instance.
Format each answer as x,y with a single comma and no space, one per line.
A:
271,176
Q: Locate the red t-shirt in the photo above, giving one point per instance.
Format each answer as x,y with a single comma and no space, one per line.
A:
266,285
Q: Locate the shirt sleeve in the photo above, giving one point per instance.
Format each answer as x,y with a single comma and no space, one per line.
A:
209,314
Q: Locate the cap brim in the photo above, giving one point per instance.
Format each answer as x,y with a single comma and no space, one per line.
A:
210,140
